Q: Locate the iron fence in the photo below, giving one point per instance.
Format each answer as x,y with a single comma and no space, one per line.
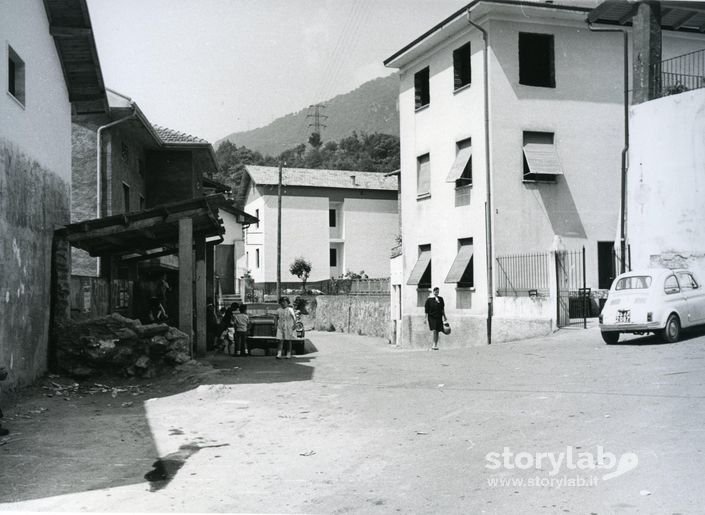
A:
682,73
523,275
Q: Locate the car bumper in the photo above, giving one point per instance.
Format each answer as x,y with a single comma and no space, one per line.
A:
630,328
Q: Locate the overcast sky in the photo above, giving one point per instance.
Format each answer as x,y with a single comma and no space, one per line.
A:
211,67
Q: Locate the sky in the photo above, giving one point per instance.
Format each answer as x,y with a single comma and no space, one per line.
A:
212,67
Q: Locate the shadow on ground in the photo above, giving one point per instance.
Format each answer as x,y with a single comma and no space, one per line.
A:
654,339
68,437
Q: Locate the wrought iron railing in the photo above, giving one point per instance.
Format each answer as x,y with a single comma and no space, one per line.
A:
523,274
682,73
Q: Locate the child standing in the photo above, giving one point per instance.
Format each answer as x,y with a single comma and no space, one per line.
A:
286,319
242,322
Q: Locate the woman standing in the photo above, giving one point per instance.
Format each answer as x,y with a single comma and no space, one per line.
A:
286,319
435,309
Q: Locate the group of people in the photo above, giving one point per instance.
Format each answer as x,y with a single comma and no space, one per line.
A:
230,330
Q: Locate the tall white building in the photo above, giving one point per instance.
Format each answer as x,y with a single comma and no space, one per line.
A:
553,133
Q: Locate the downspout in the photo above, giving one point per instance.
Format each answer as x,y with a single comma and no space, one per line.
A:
99,161
488,201
625,151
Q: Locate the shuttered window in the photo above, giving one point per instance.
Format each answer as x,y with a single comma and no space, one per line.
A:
423,175
461,271
541,161
461,171
421,273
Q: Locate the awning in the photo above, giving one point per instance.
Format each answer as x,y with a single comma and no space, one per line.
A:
462,260
542,159
681,15
461,161
155,228
420,267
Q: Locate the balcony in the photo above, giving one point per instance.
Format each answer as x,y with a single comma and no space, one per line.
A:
678,74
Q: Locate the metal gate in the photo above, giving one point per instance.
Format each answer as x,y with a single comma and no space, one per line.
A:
573,296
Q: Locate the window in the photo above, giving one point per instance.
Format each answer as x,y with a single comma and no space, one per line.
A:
461,271
257,217
671,285
333,257
15,76
536,60
636,282
541,162
124,152
257,258
332,218
687,281
421,273
422,88
462,71
461,171
125,198
423,175
141,203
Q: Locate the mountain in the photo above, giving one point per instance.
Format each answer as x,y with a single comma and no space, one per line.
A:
370,108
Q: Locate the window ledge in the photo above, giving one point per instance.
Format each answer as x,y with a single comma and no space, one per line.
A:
539,181
13,97
465,288
464,187
423,196
538,86
462,88
421,108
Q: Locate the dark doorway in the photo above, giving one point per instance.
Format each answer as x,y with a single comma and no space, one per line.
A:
606,271
225,268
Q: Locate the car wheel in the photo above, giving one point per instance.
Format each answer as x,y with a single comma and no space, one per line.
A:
672,331
610,338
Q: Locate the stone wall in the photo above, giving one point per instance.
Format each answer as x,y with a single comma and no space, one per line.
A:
34,201
357,314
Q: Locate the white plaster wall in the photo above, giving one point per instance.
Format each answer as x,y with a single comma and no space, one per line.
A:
450,117
42,128
304,234
255,235
666,181
370,226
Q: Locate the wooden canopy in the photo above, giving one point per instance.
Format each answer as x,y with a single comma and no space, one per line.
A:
154,228
682,16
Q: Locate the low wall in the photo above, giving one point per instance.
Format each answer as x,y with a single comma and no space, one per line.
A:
357,314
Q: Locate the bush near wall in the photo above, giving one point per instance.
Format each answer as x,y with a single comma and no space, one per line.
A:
365,315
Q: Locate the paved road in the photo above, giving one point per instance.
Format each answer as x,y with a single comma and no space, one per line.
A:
361,426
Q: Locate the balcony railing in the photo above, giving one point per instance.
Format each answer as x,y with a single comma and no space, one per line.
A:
683,73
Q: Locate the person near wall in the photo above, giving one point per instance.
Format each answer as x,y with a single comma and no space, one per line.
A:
3,376
212,323
163,290
435,314
242,322
286,320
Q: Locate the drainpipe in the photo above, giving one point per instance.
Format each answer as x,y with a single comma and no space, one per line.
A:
488,201
625,151
99,160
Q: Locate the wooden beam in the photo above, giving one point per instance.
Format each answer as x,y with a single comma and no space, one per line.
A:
153,255
69,32
683,20
186,277
629,15
603,8
135,225
201,342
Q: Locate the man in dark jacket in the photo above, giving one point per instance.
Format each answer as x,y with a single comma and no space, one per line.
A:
435,314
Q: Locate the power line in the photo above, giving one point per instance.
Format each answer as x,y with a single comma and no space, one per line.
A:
317,117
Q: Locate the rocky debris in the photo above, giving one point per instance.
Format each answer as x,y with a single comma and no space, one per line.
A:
118,345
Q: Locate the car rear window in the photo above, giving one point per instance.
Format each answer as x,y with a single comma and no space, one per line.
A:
637,282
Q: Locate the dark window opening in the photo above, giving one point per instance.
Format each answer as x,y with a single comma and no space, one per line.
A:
257,217
126,198
257,258
461,271
124,152
332,218
422,88
425,280
333,257
536,60
464,147
141,203
462,70
15,76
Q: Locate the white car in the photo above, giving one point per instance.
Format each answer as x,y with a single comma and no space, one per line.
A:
660,301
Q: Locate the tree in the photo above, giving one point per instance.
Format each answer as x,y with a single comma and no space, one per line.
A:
315,140
301,269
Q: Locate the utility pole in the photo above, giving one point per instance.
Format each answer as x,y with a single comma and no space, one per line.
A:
317,117
279,234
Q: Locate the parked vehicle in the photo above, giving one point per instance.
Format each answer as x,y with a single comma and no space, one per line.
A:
263,328
659,301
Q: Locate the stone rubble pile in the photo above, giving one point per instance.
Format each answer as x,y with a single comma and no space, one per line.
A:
118,345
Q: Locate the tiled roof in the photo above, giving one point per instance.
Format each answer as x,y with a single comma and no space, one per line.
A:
172,137
348,179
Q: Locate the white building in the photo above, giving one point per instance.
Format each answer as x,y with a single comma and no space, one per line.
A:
554,140
338,220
